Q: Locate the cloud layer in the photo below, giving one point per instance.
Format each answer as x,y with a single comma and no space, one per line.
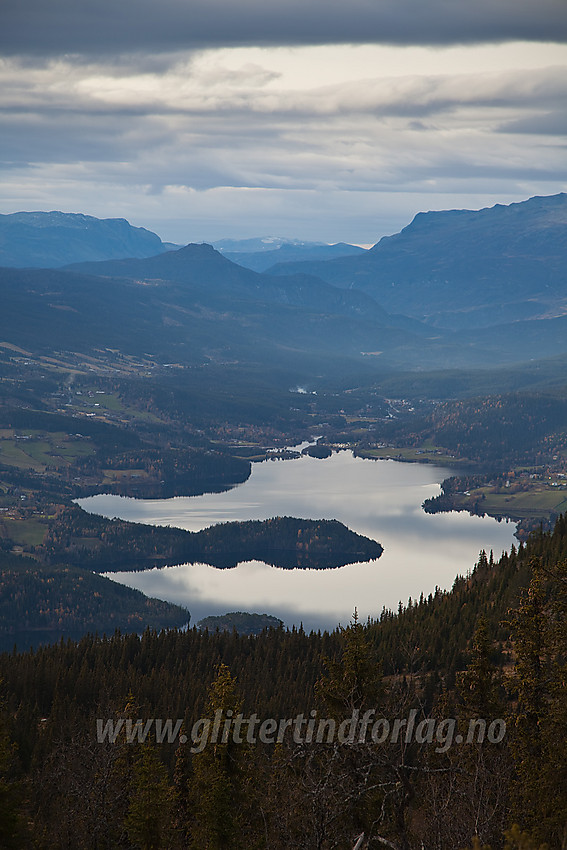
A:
141,110
102,26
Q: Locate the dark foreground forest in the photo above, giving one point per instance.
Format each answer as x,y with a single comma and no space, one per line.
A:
439,726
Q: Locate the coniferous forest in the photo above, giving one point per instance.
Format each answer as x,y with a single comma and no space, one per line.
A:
77,769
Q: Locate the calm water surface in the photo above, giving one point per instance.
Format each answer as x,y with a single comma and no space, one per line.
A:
380,499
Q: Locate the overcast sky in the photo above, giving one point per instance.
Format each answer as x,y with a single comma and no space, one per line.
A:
323,120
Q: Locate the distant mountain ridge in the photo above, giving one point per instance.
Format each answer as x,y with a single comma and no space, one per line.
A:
193,306
458,270
261,244
262,261
54,239
201,267
463,269
456,289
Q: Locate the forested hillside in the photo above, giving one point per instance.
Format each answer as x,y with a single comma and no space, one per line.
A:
40,603
493,649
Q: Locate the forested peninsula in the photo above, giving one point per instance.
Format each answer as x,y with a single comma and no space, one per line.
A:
104,545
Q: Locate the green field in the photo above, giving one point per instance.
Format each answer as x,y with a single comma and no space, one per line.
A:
536,502
40,450
33,456
112,475
112,404
424,454
26,532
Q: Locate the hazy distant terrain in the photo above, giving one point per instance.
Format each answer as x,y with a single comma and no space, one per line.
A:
423,298
465,269
288,252
51,239
420,299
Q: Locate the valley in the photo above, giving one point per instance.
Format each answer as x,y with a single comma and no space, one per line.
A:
288,459
172,375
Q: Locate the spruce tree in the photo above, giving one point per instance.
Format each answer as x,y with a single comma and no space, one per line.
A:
149,818
540,724
221,773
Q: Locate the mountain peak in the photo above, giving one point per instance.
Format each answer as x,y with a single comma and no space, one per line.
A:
193,248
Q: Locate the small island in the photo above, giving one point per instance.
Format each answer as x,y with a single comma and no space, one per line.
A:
241,622
317,451
104,545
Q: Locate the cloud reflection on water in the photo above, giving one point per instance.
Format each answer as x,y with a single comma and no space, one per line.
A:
380,499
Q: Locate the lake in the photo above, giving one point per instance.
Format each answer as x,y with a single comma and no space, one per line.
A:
381,499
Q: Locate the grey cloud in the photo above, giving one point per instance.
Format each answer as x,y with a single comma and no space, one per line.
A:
414,97
464,170
82,139
221,100
549,124
350,135
120,63
104,27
